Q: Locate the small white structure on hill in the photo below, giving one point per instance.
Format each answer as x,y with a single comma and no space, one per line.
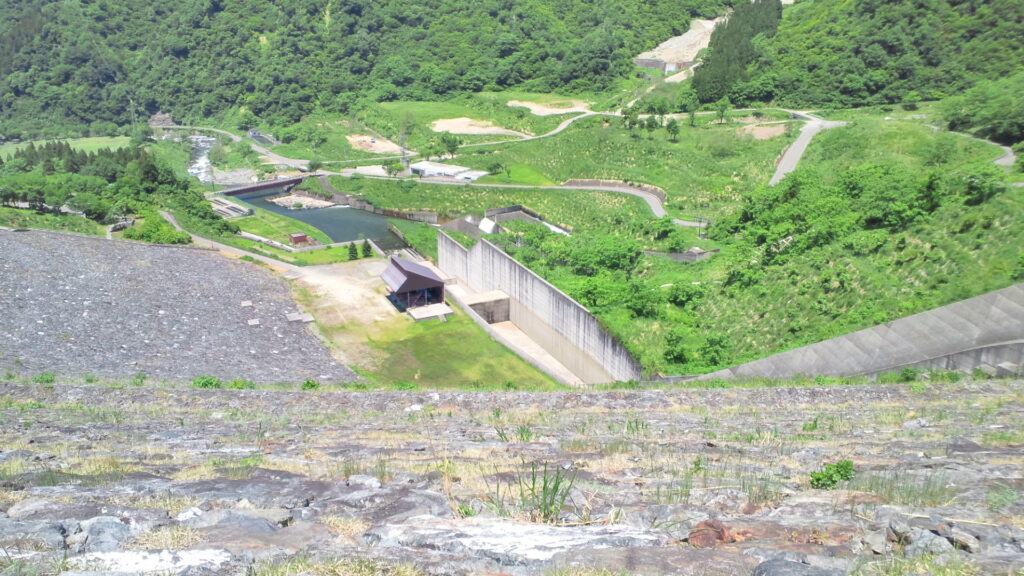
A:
427,169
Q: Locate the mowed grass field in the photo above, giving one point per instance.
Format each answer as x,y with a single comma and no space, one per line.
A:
276,226
422,353
83,144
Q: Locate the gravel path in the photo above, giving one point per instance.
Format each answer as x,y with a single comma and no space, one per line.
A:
73,304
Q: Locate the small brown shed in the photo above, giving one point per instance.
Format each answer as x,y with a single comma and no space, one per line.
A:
412,284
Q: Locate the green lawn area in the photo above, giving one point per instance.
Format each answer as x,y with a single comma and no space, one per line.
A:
276,226
83,144
872,139
17,218
424,354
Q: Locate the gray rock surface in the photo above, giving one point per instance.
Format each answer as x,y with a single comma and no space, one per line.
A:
780,567
113,308
233,480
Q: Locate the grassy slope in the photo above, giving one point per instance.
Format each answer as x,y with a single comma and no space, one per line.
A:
599,211
16,218
703,173
961,251
336,148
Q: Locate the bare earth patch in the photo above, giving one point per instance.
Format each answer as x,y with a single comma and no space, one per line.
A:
470,126
350,296
373,144
764,132
554,108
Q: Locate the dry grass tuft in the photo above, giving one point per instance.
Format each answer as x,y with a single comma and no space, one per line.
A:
345,525
176,537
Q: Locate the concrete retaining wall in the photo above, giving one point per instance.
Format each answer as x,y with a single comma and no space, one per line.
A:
964,335
566,329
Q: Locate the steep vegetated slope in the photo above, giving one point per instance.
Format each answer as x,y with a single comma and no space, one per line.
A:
68,64
886,219
845,53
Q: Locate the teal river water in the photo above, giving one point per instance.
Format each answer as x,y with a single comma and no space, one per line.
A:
340,223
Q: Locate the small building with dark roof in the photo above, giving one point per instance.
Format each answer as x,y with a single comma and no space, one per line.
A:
412,284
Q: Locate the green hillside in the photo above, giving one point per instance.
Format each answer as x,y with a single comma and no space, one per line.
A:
77,64
851,53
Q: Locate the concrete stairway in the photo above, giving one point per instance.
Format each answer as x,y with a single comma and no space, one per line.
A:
986,331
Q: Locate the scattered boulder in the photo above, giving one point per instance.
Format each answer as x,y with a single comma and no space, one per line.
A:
710,533
921,542
23,534
780,567
99,534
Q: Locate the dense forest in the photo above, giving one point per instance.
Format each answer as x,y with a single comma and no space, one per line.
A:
99,63
841,53
732,49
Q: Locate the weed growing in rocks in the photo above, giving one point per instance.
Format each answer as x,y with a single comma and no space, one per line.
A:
45,378
208,382
1001,497
832,474
296,566
933,565
898,487
175,537
345,525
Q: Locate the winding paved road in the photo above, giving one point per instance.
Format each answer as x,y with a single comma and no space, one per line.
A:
791,157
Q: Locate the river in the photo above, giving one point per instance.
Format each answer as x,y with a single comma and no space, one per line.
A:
199,160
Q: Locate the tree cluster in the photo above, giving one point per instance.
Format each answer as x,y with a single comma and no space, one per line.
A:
105,186
732,48
842,54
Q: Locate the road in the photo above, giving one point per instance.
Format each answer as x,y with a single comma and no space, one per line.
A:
791,157
271,156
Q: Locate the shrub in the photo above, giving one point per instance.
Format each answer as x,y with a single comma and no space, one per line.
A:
239,384
207,382
831,474
45,378
310,384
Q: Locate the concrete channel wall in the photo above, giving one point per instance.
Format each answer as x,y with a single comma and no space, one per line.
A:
566,329
984,330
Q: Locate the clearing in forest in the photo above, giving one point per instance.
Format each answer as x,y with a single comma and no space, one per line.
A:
373,144
470,126
763,132
552,108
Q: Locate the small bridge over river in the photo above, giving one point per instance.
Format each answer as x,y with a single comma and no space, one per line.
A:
264,185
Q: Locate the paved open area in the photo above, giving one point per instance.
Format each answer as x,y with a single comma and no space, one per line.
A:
76,305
